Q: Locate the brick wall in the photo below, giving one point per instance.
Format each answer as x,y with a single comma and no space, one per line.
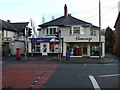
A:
117,42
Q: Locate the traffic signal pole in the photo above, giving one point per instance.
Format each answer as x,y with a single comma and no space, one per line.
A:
26,43
60,43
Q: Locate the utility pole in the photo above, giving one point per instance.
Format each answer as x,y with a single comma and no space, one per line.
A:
99,31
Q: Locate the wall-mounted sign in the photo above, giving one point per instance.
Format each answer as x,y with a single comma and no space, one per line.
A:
33,40
40,39
81,38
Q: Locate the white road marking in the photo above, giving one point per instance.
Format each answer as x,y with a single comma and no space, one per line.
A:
94,83
112,75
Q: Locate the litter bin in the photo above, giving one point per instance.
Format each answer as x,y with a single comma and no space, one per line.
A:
18,53
67,56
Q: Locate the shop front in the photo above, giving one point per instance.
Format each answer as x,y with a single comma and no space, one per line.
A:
44,46
83,46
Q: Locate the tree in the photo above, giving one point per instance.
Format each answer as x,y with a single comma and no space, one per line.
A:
110,40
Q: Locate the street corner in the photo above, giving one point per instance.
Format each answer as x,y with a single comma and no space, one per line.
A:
27,75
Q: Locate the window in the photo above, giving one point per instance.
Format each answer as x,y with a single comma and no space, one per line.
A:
51,30
37,47
94,50
93,33
76,30
82,30
54,47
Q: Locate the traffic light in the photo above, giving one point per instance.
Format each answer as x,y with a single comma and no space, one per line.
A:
23,33
57,35
29,32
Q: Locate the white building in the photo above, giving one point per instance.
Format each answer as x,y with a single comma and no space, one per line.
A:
80,38
12,37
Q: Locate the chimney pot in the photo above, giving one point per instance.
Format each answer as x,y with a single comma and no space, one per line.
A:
9,21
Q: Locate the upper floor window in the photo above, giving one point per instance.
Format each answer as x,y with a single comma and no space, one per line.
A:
77,30
93,33
51,30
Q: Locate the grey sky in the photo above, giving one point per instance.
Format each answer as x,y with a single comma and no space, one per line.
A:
23,10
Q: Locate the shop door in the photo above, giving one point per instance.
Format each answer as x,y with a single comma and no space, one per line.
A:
5,49
84,51
44,49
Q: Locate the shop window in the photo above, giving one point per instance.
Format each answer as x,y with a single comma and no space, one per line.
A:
75,49
33,47
37,47
94,50
54,47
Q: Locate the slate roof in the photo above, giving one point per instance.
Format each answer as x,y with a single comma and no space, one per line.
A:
94,27
6,25
61,21
19,26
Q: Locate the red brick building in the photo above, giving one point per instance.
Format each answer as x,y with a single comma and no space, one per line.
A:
117,33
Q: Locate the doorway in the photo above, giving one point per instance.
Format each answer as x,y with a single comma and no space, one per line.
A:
84,53
44,49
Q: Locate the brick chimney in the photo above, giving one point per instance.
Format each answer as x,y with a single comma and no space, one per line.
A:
65,11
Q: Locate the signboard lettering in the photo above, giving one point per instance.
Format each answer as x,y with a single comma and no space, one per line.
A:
79,38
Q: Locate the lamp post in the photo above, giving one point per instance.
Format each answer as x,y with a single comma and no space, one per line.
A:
99,31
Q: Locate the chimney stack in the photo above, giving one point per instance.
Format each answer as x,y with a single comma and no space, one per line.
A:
65,11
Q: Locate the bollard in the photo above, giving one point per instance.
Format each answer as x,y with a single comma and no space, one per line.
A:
67,56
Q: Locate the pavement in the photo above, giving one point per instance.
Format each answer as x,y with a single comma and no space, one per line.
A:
81,60
27,75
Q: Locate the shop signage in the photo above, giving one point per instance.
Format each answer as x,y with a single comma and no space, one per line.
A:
43,40
81,38
40,39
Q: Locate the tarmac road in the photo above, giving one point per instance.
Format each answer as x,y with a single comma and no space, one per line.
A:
78,76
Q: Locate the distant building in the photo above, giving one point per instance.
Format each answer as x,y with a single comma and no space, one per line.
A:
117,33
80,38
12,37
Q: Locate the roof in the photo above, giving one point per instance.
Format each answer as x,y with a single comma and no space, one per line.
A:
94,27
117,20
7,26
61,21
19,25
